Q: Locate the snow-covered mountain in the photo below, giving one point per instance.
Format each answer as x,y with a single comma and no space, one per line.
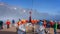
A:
14,12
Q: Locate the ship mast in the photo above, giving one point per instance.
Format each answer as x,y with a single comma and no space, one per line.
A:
30,16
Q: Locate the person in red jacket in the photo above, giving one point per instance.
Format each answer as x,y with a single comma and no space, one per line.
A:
51,23
8,23
44,23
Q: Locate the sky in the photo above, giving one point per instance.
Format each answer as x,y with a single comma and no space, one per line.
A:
47,8
44,6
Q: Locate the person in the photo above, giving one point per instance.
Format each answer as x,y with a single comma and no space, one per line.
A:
48,24
22,29
8,23
29,26
47,30
13,22
1,24
59,25
41,28
51,23
44,23
19,19
55,27
19,23
40,23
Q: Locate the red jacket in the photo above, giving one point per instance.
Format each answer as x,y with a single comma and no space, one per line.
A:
8,22
51,23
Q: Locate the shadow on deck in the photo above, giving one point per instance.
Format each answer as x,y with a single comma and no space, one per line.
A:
7,32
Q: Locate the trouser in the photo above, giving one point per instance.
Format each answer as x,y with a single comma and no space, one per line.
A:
1,27
41,32
7,26
47,30
54,31
13,24
21,32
